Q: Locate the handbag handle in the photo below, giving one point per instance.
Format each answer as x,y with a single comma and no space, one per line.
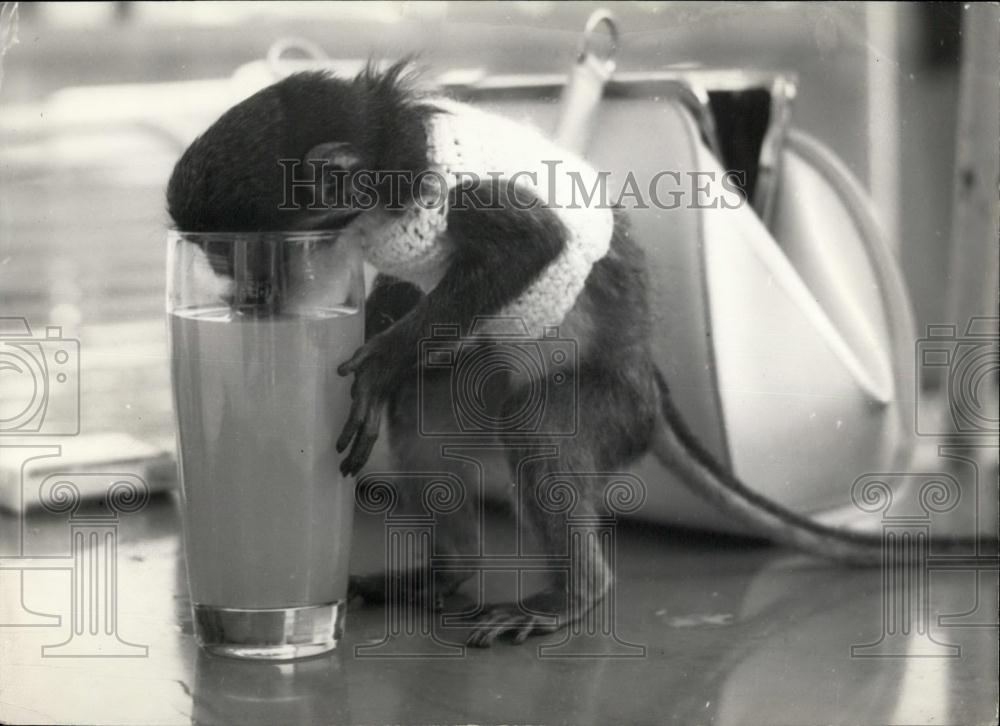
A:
587,79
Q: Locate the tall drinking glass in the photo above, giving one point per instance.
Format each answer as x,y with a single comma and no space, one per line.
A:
258,324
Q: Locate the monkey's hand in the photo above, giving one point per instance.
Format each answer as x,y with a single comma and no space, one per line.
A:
471,286
374,377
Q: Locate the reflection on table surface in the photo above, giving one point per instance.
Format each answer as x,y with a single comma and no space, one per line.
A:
733,633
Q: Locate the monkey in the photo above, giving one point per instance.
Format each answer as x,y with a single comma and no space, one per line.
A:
493,246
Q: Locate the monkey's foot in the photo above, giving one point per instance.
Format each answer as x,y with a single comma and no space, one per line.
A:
510,619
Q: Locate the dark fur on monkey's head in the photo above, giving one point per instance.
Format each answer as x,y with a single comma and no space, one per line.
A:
230,179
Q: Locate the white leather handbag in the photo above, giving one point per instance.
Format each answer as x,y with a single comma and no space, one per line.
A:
785,344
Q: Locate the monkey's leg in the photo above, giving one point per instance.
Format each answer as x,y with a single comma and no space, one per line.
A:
414,458
615,421
558,604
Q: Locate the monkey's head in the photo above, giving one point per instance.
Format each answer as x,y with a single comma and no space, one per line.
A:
235,176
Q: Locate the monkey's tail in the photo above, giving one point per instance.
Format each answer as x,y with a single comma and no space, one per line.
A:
680,449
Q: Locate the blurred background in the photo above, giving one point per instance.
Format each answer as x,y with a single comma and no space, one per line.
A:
98,100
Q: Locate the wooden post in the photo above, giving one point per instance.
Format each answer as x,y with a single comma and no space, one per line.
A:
975,243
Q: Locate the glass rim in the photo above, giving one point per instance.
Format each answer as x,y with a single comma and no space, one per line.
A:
287,235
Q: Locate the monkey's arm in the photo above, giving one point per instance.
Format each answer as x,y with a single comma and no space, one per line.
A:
390,300
498,248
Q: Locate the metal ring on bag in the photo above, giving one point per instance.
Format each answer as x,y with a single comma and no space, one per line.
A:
596,19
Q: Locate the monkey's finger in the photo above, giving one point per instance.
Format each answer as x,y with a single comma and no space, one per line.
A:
364,443
525,630
359,453
351,364
352,465
477,639
486,635
346,436
486,632
354,362
354,421
347,466
511,624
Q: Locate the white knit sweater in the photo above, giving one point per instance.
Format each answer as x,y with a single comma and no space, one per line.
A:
414,245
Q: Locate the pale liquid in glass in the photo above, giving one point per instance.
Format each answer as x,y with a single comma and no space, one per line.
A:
259,405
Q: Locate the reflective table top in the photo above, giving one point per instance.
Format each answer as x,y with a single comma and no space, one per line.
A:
715,631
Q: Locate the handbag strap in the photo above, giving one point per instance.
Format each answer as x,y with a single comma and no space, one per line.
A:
585,87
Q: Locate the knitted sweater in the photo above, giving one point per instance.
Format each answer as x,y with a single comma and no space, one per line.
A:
413,245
